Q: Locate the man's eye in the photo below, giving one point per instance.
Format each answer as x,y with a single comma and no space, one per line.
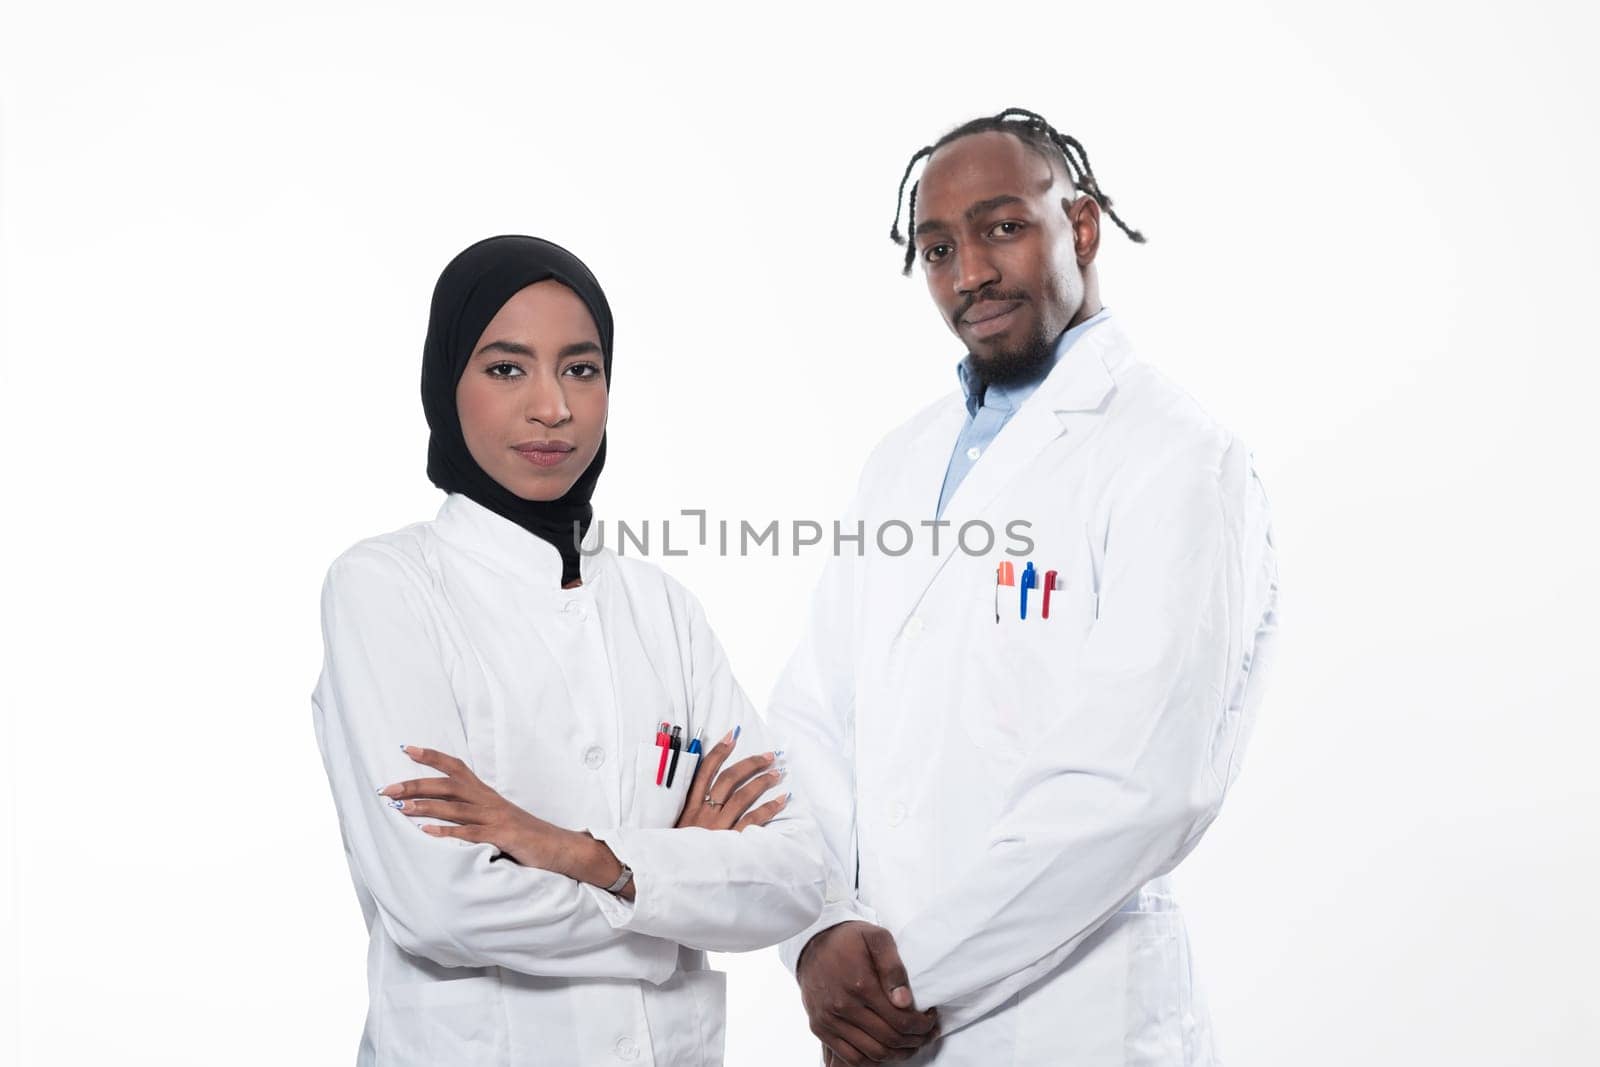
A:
934,253
1006,229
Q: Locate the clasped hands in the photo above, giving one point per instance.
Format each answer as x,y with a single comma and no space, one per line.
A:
857,996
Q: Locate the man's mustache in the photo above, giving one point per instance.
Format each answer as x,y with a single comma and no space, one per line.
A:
985,296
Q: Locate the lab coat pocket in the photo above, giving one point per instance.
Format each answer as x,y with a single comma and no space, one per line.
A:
459,1020
1023,671
659,805
1158,1011
710,992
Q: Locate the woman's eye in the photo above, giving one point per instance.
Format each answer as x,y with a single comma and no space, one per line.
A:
584,371
511,370
934,253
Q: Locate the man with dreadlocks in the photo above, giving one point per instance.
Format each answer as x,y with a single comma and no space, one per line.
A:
1008,756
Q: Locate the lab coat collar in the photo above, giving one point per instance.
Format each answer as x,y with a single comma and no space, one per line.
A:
1084,377
1010,397
1077,388
508,548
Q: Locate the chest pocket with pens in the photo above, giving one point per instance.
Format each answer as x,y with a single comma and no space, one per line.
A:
1027,596
663,769
1028,640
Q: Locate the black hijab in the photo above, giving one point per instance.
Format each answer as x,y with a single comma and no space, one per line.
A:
469,293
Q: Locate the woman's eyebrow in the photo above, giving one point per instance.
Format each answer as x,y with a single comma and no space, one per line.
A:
510,348
516,348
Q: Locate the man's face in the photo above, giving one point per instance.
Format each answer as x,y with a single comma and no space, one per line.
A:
997,248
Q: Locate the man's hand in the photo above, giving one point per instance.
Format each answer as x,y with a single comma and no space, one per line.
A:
858,997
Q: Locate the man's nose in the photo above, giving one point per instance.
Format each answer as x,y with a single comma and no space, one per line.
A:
546,401
974,270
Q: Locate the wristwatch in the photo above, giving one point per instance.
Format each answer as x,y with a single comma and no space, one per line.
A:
622,880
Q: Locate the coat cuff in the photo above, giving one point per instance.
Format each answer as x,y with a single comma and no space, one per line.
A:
833,914
620,913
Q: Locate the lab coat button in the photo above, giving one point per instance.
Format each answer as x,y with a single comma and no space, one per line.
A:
626,1049
974,452
593,756
897,813
573,608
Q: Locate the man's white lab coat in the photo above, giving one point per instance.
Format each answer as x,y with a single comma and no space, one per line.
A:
1013,791
454,635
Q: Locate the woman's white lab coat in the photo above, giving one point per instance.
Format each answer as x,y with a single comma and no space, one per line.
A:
454,635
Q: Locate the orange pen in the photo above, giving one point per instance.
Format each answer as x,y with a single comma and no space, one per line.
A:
1004,574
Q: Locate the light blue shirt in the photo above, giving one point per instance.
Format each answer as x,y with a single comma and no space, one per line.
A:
988,410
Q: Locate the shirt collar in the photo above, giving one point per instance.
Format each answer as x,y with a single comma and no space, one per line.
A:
1009,397
508,548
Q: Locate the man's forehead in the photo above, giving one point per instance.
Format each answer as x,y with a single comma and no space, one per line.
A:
982,165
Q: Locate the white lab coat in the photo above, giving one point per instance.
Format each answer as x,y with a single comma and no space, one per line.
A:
454,635
1014,792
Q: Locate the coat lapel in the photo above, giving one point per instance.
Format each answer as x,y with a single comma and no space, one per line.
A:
1078,387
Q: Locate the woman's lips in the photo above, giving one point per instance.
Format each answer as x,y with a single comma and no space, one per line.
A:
986,319
543,453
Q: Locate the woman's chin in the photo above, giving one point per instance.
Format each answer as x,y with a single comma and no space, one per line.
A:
536,490
543,493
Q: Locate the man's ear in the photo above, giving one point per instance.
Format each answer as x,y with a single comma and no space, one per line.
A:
1083,215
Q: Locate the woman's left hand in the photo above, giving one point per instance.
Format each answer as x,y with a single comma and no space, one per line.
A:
481,814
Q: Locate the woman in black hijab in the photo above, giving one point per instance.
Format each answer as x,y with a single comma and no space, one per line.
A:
470,293
565,697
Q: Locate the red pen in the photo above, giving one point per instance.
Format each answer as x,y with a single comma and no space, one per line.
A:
663,740
1049,584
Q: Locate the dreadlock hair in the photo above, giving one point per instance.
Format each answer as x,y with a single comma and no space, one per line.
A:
1032,129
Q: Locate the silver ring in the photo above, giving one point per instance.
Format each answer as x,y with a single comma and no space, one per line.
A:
708,802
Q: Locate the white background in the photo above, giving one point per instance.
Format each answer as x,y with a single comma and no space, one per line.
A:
1372,253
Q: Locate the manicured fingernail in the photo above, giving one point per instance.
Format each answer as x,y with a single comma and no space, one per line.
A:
736,730
727,738
786,797
397,804
777,753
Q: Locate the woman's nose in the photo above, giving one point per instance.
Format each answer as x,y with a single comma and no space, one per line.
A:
546,402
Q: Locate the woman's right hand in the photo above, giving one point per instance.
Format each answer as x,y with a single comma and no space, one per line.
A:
721,801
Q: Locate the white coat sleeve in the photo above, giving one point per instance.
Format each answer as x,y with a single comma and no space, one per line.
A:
1139,750
813,711
719,890
386,683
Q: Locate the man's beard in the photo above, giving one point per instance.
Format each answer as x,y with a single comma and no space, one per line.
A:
1010,367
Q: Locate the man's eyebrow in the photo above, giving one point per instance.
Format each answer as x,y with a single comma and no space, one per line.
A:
990,204
982,206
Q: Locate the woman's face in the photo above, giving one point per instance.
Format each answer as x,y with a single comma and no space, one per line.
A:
532,400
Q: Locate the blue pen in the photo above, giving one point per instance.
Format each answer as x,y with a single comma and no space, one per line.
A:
1030,580
694,743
